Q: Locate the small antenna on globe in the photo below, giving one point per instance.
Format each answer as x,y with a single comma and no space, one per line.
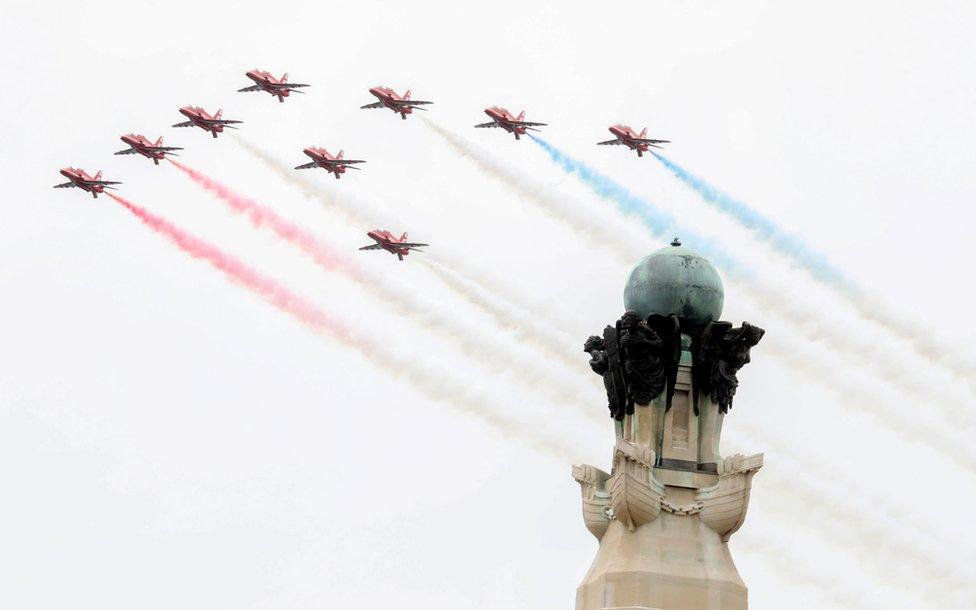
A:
676,242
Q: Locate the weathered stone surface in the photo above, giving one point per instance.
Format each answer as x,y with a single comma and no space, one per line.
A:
672,563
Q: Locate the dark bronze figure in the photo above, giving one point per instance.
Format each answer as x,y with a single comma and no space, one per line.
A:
638,359
630,357
720,352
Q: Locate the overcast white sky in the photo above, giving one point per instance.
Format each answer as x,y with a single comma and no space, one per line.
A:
169,440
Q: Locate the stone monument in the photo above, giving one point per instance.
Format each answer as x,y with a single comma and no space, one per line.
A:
665,512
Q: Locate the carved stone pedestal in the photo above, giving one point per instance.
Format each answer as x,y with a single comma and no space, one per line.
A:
672,563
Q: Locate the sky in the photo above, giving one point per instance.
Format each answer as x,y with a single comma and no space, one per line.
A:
169,439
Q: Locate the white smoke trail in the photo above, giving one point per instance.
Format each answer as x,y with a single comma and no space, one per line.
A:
357,212
532,330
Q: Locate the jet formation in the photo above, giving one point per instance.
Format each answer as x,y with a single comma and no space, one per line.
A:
337,164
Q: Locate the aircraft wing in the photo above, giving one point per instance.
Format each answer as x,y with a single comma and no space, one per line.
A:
307,165
408,245
66,185
412,103
346,161
127,151
100,182
286,85
527,124
221,121
372,247
163,148
492,124
648,141
373,105
184,124
617,142
251,88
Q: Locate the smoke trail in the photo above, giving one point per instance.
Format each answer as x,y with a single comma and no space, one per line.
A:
259,215
791,245
593,229
275,293
358,213
817,264
659,222
448,324
527,328
437,385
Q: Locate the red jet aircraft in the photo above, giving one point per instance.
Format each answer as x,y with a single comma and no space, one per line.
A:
199,117
278,87
139,144
632,140
389,242
322,158
388,98
512,124
80,179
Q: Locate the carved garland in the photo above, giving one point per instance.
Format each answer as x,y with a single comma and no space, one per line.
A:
687,509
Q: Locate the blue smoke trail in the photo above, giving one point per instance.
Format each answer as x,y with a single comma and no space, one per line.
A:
792,246
659,222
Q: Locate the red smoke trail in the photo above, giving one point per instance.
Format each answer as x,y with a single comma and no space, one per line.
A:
278,295
261,215
434,383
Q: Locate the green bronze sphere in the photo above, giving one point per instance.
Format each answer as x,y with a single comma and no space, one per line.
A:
675,280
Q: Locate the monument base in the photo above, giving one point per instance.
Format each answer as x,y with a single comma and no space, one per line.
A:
675,562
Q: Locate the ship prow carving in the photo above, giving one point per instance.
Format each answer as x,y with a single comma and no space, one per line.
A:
635,496
596,498
724,504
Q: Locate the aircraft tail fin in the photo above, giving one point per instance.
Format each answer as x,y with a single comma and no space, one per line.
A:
219,113
159,141
520,116
98,175
404,236
284,78
341,152
406,95
643,133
